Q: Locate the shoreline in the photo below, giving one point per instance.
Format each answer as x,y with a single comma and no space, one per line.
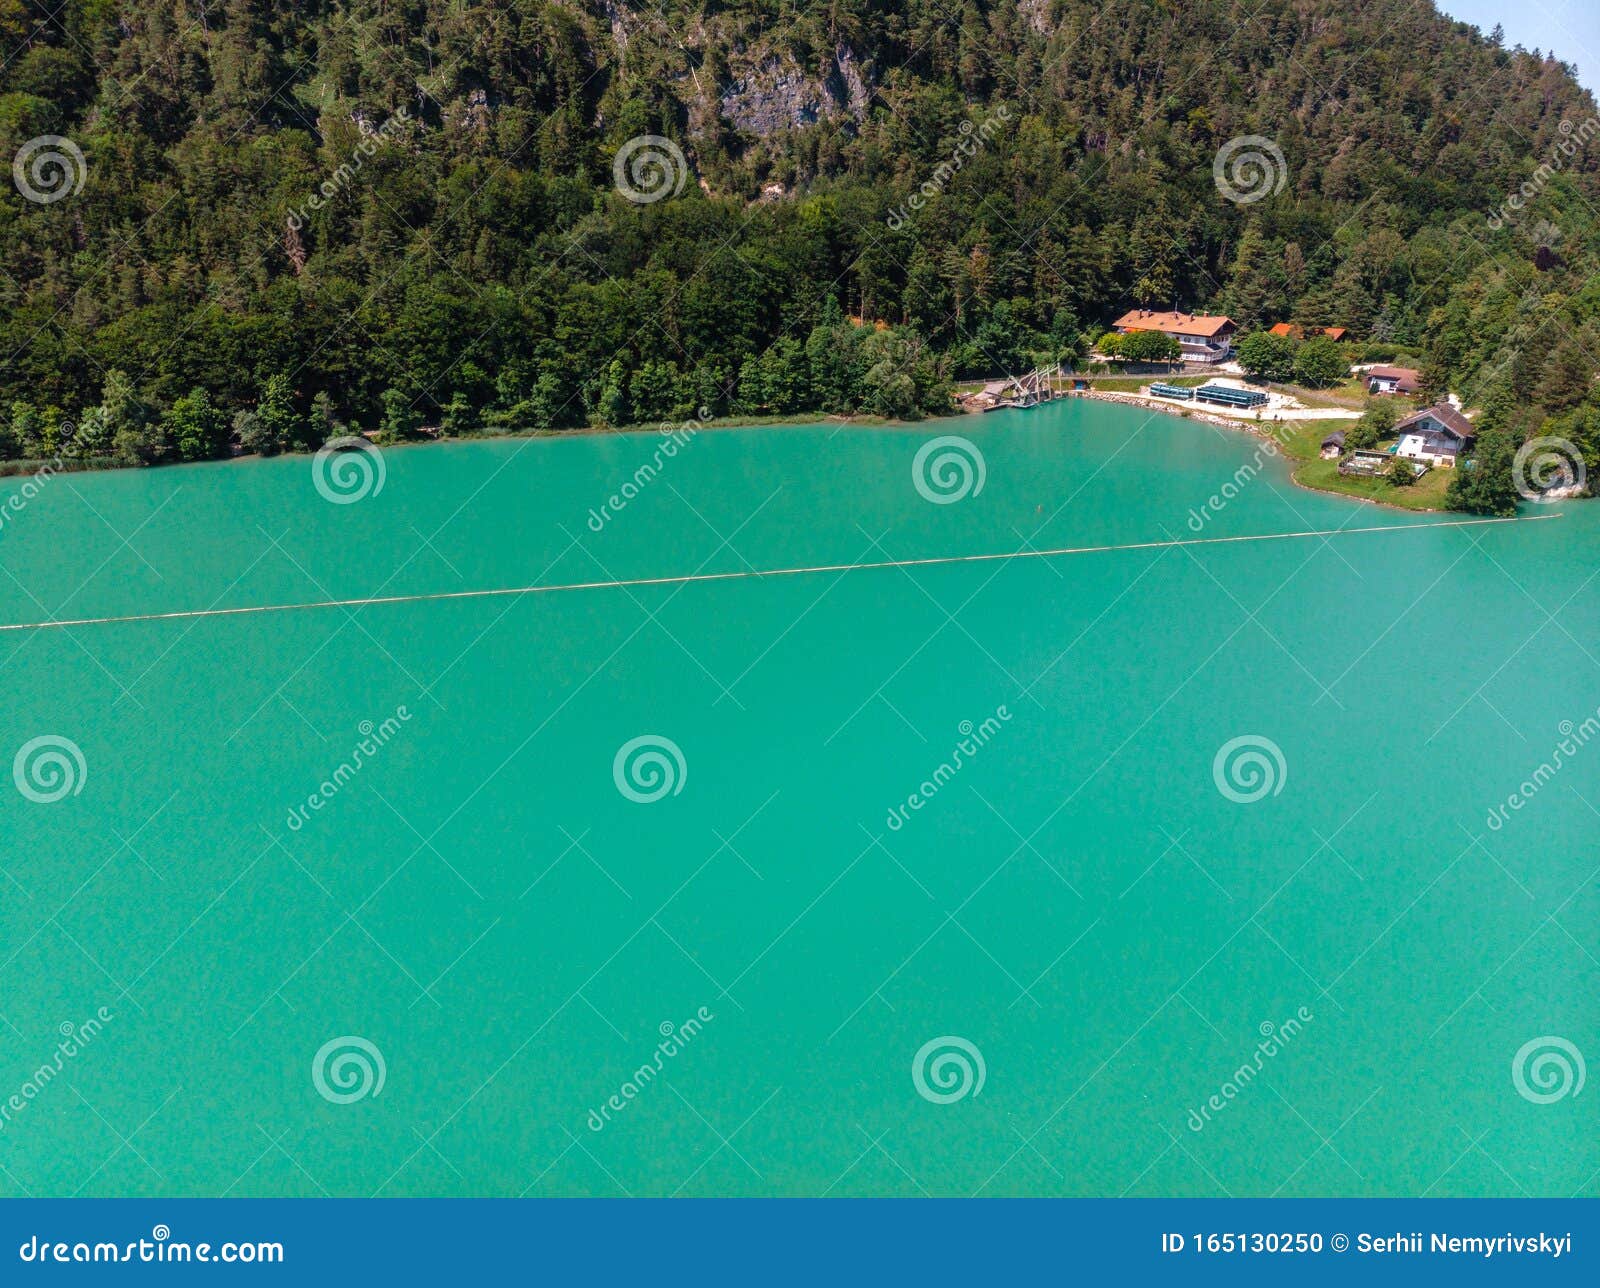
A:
1172,409
796,420
34,467
1258,429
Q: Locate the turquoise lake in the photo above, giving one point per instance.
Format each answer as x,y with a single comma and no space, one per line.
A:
1093,959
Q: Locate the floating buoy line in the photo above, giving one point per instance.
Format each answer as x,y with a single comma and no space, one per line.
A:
746,574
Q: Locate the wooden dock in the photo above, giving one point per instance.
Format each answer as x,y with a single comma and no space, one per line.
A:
1016,392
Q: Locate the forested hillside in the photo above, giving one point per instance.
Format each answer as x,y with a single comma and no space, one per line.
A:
273,222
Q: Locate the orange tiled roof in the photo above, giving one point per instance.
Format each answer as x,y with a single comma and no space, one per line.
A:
1296,330
1172,323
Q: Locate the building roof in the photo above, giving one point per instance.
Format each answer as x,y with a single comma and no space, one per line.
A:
1295,330
1452,421
1406,379
1172,323
1335,439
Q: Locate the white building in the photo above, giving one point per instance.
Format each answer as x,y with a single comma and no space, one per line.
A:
1202,339
1438,435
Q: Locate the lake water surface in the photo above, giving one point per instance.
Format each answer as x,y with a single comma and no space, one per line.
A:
1145,981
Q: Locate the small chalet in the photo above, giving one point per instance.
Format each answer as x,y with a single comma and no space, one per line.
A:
1202,339
1393,380
1438,435
1333,446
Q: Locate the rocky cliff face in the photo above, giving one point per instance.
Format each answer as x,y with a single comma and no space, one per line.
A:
776,94
727,71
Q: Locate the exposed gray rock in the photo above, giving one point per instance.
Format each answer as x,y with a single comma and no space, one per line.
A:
1036,13
777,95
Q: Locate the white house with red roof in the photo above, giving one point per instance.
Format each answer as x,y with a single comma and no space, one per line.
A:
1202,338
1393,380
1439,435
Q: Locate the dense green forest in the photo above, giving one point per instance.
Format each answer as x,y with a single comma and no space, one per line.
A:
268,223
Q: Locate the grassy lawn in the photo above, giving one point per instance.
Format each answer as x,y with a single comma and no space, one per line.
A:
1112,384
1349,393
1304,446
1304,441
1133,384
1427,493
